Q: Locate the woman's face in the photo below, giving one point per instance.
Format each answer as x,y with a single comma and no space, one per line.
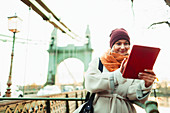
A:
121,47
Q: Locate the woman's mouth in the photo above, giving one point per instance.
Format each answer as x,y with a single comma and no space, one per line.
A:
122,51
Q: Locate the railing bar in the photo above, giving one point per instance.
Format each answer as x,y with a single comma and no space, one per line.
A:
139,104
59,99
67,105
48,106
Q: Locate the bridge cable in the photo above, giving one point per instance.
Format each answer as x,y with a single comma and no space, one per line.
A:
26,55
75,82
30,41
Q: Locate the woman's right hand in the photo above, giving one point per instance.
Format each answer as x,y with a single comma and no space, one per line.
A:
123,64
148,76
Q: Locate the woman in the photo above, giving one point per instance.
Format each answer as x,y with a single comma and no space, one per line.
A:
113,92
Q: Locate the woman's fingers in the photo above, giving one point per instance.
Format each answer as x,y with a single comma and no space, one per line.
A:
123,64
149,71
148,76
149,79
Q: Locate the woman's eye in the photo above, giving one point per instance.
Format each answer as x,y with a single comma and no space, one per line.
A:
118,43
126,43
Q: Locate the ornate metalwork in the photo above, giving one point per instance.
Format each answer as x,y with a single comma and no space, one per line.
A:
56,103
59,103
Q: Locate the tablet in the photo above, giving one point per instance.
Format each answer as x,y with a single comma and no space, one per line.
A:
140,58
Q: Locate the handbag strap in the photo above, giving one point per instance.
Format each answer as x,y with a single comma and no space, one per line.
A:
100,67
89,105
87,96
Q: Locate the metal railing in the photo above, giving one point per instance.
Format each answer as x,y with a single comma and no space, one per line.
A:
38,105
59,103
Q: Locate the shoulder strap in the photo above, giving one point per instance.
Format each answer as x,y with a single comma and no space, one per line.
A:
100,67
87,96
89,99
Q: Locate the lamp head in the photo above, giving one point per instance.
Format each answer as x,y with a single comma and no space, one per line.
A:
14,24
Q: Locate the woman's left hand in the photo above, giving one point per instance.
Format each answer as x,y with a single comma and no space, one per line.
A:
148,76
123,64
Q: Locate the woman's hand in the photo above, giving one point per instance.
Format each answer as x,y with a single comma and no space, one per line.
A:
148,76
123,64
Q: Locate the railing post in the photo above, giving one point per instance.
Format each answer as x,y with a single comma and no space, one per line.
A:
67,104
151,107
82,97
76,100
48,106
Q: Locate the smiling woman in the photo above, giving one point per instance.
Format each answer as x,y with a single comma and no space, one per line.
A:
101,15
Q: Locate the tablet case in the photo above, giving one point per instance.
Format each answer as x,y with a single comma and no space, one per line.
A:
140,58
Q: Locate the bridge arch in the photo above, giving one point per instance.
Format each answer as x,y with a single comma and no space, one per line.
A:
59,54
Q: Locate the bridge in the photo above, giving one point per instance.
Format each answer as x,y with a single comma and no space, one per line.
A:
59,54
65,102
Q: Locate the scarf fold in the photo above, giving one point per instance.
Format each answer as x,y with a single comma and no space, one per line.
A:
112,61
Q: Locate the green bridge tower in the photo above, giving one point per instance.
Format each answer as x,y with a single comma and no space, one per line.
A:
59,54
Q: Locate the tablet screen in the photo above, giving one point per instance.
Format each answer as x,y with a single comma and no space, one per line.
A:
140,58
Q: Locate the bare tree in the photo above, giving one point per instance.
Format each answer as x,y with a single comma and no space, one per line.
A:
166,22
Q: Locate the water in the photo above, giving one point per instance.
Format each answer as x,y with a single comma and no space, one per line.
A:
163,105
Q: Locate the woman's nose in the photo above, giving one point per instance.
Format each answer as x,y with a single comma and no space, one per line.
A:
122,46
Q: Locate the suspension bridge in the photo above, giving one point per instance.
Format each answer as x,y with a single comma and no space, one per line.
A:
65,102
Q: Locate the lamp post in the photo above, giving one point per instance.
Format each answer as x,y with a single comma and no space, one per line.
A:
14,23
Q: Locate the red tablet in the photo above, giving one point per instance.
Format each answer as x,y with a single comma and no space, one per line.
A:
140,58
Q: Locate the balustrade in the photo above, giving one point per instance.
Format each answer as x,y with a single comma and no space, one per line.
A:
65,102
60,103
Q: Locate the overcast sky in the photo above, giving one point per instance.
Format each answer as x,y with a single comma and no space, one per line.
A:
31,59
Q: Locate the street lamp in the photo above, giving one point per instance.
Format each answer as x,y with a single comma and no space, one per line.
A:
14,25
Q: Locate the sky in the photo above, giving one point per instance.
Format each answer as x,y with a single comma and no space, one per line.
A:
30,63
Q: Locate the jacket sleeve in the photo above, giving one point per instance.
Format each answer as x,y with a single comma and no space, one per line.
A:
138,92
95,81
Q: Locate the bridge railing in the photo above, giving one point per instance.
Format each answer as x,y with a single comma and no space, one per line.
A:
60,103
